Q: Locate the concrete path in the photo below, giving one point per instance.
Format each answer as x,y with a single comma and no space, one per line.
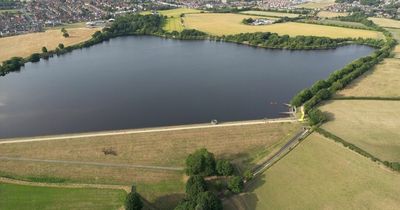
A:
146,130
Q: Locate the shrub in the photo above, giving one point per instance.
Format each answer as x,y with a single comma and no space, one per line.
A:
35,57
236,184
208,201
316,116
133,201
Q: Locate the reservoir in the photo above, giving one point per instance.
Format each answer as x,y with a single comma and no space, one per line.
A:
136,82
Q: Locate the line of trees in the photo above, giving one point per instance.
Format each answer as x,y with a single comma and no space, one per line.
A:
274,41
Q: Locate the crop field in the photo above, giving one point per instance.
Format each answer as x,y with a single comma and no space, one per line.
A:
270,14
25,45
174,24
327,14
225,24
22,197
322,174
371,125
383,80
174,12
242,144
384,22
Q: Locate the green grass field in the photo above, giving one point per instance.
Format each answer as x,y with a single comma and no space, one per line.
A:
371,125
174,24
20,197
322,174
225,24
384,22
270,14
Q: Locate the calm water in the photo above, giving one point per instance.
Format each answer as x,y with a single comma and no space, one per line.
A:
134,82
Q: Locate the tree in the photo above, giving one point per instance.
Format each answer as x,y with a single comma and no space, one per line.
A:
35,57
44,50
248,175
235,184
133,200
194,186
315,116
224,168
66,34
63,30
208,201
201,162
61,46
186,205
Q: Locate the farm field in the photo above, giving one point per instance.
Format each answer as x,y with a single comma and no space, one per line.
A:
337,23
22,197
243,144
383,80
327,14
225,24
270,14
25,45
322,174
370,125
384,22
174,12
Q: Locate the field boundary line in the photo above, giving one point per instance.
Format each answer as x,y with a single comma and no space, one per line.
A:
65,185
147,130
117,165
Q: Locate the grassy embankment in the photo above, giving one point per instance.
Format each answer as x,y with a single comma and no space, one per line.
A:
322,174
22,197
224,24
25,45
242,144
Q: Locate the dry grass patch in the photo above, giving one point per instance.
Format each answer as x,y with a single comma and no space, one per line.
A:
322,174
385,22
225,24
25,45
174,12
327,14
158,148
270,14
317,4
383,80
371,125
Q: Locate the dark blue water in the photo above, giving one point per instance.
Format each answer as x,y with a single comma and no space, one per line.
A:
134,82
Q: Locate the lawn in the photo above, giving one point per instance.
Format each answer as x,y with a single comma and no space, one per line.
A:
270,14
174,24
383,80
25,45
224,24
20,197
243,144
322,174
385,22
174,12
327,14
371,125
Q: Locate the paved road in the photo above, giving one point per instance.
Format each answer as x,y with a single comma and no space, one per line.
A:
120,165
147,130
289,145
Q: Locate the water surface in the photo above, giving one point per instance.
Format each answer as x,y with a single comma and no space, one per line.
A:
134,82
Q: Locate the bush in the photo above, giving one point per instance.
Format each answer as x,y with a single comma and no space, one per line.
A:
236,184
248,175
201,162
35,57
208,201
224,168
